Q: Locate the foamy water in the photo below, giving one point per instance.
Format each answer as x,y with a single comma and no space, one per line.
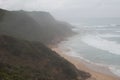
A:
103,44
98,45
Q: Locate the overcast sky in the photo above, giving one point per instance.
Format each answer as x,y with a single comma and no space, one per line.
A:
67,9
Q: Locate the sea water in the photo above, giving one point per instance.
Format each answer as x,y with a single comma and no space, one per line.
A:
97,42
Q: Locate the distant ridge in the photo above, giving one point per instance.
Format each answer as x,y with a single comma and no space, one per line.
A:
33,26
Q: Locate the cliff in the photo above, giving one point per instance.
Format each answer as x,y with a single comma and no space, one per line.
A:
33,26
23,55
25,60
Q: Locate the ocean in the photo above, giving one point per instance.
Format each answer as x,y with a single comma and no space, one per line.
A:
97,42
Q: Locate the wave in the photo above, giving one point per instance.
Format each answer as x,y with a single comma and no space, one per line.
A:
103,44
67,48
70,52
109,35
115,70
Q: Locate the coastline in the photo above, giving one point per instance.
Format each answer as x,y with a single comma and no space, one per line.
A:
102,74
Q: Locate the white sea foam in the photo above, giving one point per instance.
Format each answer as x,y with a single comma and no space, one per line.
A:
96,40
108,35
103,44
71,52
115,70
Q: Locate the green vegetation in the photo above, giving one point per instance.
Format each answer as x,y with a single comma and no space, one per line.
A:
25,57
24,60
8,72
11,72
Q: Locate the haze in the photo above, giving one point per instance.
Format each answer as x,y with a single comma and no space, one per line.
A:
67,9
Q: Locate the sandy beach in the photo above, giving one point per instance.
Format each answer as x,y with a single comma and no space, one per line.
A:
101,74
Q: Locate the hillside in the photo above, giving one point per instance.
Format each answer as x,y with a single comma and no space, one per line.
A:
33,26
25,60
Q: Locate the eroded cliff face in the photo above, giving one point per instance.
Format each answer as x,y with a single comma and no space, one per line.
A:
25,60
33,26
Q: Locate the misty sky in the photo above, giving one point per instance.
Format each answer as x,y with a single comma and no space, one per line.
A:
67,9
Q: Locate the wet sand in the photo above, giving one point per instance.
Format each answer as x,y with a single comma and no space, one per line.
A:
99,73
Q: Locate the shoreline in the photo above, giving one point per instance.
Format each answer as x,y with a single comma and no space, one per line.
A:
102,74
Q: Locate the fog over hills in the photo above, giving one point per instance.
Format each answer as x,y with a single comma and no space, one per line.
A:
59,39
33,26
24,56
